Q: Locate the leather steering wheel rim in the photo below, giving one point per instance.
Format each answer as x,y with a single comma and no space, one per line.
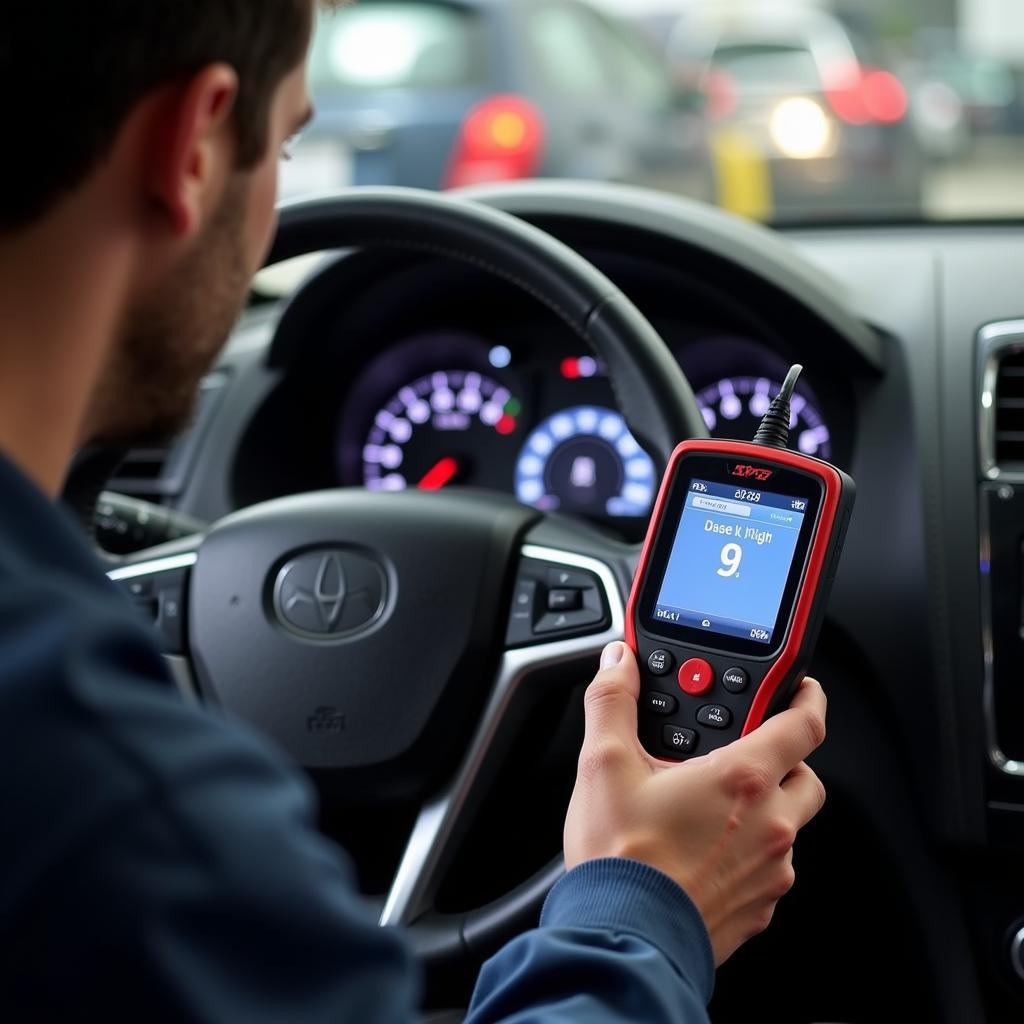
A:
655,398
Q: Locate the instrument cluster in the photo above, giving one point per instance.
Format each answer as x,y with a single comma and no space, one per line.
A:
453,408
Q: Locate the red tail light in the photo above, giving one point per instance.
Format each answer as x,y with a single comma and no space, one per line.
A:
501,139
860,95
884,96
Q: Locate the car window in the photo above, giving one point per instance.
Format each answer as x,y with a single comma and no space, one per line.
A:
565,52
396,45
775,65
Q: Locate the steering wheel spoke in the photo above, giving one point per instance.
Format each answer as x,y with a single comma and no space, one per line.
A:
442,822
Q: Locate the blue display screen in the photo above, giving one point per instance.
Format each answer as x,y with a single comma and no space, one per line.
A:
730,561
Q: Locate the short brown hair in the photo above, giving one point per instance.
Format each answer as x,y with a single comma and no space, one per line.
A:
71,71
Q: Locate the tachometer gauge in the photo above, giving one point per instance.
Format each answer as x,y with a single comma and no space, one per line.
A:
734,406
450,427
585,460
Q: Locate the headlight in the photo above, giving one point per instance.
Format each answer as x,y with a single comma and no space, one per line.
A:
801,129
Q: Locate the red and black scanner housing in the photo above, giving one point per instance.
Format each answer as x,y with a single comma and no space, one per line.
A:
732,684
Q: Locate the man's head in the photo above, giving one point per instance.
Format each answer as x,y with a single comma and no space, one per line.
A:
170,115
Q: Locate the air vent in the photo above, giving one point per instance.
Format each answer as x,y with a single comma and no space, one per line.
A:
1009,409
1001,383
156,473
141,473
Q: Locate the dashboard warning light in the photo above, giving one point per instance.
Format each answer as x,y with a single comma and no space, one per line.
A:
583,367
571,369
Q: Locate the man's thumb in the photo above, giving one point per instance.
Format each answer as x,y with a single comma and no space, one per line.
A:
610,702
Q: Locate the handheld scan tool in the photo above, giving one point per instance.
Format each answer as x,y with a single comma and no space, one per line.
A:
732,585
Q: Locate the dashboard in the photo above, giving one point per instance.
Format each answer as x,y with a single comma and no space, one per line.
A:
394,371
479,392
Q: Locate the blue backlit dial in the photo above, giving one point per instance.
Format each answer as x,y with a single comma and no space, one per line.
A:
585,460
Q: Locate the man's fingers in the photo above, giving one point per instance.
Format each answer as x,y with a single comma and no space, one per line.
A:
610,701
804,793
784,741
810,695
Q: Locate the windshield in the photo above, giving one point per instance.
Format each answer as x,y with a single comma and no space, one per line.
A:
793,112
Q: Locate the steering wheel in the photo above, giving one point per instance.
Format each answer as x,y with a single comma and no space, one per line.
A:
395,639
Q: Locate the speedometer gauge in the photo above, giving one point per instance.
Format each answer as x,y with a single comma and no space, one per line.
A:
733,409
450,427
585,460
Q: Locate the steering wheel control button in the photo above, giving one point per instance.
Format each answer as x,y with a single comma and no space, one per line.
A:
564,600
171,615
660,663
714,716
556,621
160,600
139,590
735,680
696,677
679,740
570,579
520,622
660,703
550,602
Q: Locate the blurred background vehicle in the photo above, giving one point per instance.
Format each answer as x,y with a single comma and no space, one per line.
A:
784,111
804,121
986,85
444,93
938,113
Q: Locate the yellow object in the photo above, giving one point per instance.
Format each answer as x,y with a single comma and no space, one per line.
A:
743,182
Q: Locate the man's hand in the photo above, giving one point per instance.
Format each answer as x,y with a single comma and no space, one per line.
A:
722,826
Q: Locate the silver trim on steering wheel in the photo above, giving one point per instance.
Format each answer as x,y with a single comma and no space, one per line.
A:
151,568
427,853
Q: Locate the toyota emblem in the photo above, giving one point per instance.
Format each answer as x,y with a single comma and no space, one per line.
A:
330,594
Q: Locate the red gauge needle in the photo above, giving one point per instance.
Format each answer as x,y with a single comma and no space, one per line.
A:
442,473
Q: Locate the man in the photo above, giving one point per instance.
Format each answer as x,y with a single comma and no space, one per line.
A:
159,862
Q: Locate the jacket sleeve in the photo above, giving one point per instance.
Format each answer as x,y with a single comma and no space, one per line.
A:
618,942
216,901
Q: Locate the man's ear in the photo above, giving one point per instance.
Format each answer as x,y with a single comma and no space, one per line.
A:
194,147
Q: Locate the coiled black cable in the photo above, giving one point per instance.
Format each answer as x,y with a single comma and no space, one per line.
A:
774,429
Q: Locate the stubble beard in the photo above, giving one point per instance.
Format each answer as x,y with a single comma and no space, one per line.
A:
171,336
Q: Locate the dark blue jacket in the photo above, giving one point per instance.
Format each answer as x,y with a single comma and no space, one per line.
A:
161,863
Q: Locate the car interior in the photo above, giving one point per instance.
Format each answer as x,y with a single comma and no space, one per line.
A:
469,398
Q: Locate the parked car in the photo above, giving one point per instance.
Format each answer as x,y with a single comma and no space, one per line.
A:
444,93
938,113
988,87
818,129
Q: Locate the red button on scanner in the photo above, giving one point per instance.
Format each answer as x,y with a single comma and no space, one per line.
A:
696,677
